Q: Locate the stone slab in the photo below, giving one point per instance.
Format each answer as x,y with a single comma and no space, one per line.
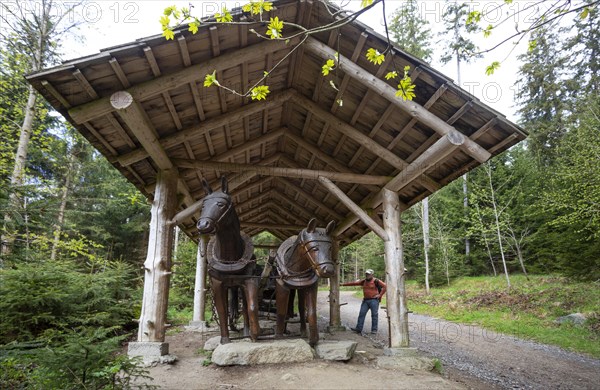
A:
402,352
151,352
197,326
336,350
333,329
405,363
262,352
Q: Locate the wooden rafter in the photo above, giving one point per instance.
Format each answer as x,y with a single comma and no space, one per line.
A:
148,89
411,107
197,131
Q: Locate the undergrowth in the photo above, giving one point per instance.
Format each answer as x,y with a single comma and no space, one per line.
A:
528,310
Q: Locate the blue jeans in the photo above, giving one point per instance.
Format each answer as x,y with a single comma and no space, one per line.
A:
368,304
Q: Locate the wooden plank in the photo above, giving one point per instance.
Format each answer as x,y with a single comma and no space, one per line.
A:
148,89
360,138
354,208
203,128
310,198
50,88
183,49
384,89
282,172
114,64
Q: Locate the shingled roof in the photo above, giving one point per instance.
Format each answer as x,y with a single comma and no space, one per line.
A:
282,155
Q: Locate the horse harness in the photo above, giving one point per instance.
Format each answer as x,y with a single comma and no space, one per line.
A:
303,278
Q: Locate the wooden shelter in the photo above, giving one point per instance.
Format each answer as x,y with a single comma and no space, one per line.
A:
295,155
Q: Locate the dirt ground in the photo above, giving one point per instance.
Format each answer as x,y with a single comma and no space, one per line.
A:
472,358
360,372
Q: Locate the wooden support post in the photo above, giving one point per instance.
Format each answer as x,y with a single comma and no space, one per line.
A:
198,319
151,333
394,269
335,318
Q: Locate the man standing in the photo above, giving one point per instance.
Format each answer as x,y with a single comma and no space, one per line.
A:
373,290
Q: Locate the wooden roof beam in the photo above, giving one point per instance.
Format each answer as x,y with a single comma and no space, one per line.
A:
362,139
440,150
309,197
206,126
148,89
387,91
272,226
193,208
282,172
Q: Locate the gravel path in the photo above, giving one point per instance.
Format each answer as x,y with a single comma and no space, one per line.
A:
484,359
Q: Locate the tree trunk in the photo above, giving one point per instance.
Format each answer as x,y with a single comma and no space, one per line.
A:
485,240
466,212
17,177
60,218
425,225
334,290
497,218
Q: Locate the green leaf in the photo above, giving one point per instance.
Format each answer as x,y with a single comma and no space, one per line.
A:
492,68
193,27
211,79
474,17
375,56
275,27
168,34
260,92
365,3
224,16
488,31
406,87
169,10
328,67
164,21
584,14
391,75
532,45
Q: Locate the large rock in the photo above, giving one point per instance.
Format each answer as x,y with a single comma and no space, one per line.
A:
574,318
405,363
336,350
214,342
263,352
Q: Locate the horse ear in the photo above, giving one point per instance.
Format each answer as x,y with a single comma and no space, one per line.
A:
224,185
312,224
206,186
330,227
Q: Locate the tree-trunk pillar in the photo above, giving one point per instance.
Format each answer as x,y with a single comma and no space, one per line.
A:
335,322
394,269
157,270
198,318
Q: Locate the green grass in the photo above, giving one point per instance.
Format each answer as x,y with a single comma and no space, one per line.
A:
528,310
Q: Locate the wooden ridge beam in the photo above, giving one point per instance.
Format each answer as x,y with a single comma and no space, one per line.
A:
272,226
354,208
145,90
282,172
206,126
387,91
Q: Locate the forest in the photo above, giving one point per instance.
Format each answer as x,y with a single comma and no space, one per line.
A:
74,231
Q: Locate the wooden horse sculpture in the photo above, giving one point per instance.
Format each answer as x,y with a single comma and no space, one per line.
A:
231,261
301,260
